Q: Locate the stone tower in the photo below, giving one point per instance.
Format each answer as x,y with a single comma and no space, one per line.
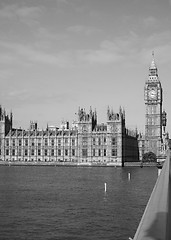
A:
116,132
5,122
5,127
86,124
153,102
86,121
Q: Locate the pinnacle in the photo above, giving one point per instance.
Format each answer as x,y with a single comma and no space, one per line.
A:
153,64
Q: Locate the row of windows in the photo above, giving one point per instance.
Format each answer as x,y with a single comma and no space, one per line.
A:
32,142
58,160
99,141
152,109
100,152
33,152
45,142
151,132
151,121
39,152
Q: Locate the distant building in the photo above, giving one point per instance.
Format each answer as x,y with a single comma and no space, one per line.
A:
85,142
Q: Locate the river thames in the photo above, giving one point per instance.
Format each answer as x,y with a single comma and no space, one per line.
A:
71,203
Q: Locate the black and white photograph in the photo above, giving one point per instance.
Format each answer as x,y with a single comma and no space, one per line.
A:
85,112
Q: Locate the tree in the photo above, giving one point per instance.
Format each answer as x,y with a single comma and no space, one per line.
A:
149,157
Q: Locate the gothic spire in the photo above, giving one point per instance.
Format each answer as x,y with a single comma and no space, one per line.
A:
153,64
153,67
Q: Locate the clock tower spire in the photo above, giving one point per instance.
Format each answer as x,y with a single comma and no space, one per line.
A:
153,102
153,67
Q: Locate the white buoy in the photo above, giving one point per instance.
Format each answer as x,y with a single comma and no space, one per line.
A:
129,176
105,186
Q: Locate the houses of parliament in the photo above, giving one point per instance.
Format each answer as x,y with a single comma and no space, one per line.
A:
86,142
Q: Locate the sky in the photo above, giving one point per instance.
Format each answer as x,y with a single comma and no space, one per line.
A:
59,55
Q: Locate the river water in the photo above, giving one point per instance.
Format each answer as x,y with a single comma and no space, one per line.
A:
71,203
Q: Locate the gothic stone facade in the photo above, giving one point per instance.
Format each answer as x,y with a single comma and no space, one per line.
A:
85,142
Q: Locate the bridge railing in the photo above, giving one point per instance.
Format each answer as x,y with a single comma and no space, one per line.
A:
156,220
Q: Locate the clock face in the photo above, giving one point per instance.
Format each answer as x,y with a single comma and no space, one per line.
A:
152,94
114,128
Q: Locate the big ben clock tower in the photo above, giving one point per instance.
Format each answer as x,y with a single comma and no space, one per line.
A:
153,101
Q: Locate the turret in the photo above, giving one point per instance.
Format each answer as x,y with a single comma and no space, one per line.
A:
111,116
115,121
5,122
33,125
65,125
11,117
86,121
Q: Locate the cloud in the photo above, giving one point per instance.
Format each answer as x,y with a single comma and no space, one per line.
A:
161,45
5,74
104,54
14,10
27,53
20,94
159,38
30,96
8,11
15,96
31,12
46,39
163,51
6,58
62,1
86,30
28,15
111,51
150,22
99,56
